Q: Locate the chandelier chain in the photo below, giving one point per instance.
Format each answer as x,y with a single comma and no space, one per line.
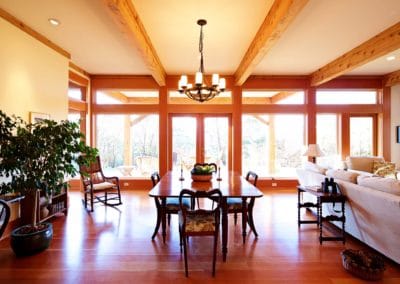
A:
201,50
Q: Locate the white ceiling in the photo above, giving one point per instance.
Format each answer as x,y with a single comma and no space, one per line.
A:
324,30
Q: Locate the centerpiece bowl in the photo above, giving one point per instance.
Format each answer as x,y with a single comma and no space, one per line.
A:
202,173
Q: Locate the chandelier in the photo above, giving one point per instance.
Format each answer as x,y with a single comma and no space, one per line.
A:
200,91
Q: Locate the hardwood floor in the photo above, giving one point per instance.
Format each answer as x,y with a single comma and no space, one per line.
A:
114,245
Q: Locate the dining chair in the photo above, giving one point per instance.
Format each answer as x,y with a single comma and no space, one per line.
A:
199,221
4,216
97,187
171,206
235,206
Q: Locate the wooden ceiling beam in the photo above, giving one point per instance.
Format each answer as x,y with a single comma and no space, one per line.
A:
281,14
392,79
381,44
125,15
118,96
281,96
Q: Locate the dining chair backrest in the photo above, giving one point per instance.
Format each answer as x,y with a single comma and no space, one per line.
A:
252,177
214,165
155,178
213,194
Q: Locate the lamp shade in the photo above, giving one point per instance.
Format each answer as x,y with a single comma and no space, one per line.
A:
313,150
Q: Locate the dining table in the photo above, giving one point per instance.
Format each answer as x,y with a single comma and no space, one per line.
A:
230,183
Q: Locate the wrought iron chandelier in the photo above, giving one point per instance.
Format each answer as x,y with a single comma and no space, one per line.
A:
200,91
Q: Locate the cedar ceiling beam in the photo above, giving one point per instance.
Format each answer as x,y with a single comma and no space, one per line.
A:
118,96
381,44
392,79
281,14
125,15
281,96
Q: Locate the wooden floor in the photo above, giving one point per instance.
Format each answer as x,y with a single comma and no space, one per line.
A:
114,246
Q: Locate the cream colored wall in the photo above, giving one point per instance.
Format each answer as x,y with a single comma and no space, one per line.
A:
395,121
33,77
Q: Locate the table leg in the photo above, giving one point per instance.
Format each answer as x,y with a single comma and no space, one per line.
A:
163,217
244,219
224,228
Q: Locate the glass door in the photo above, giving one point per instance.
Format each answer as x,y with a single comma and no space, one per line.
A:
200,138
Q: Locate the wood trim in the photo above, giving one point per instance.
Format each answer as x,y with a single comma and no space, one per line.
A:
311,116
22,26
276,83
353,82
280,96
365,109
274,109
237,129
345,137
387,126
77,79
125,15
200,108
279,17
124,109
381,44
78,69
164,160
392,79
123,82
77,105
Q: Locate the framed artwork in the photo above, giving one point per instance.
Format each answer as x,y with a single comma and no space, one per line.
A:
38,116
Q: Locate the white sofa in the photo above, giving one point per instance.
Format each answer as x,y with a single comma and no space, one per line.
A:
372,208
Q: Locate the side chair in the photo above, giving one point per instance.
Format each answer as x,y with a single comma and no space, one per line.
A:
238,205
171,206
97,187
200,221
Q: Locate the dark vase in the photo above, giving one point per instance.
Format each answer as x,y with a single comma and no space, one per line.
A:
25,242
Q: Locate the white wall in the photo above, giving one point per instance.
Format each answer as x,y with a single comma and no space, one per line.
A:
33,77
395,121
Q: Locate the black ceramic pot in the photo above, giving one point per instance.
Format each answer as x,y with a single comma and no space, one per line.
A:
24,242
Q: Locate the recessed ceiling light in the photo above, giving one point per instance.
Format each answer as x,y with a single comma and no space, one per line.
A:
54,22
390,58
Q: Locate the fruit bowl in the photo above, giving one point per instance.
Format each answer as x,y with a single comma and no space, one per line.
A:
207,177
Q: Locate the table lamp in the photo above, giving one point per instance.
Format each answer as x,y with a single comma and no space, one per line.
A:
313,151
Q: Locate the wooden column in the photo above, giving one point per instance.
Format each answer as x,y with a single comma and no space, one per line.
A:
311,116
345,125
127,141
237,128
165,162
386,127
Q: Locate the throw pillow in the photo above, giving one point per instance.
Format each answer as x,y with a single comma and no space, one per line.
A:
343,175
314,168
384,169
388,185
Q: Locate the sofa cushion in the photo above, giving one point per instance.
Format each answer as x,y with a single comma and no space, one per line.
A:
362,163
384,169
343,175
314,168
388,185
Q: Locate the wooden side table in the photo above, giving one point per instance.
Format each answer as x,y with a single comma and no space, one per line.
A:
322,197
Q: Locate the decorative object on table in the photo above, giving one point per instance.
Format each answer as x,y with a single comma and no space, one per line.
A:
181,177
201,91
203,172
38,171
365,265
219,174
313,151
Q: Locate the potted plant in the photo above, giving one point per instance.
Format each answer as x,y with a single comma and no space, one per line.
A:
36,158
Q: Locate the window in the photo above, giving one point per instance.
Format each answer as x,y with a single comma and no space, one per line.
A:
346,97
361,136
128,144
273,97
272,144
126,97
327,139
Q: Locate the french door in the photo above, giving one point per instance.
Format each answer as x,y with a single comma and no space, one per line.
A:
201,138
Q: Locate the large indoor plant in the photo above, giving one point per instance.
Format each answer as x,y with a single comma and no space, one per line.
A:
36,158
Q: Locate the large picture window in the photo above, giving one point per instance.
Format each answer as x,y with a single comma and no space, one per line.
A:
128,144
272,144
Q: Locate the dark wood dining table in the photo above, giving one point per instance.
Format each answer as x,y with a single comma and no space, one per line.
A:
232,184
